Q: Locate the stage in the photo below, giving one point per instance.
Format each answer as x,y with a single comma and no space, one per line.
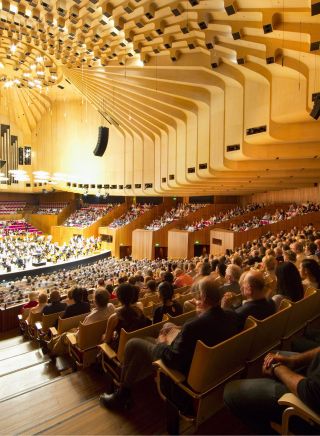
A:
50,267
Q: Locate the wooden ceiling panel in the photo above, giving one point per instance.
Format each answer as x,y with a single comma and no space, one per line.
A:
225,83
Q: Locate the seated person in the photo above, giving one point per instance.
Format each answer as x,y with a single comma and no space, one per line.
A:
151,289
55,304
128,316
33,302
310,273
289,283
43,299
79,307
232,277
102,311
173,308
212,326
102,308
182,279
69,300
256,304
255,401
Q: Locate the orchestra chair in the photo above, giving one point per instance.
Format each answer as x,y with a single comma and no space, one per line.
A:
211,368
83,344
47,321
112,361
302,312
295,407
66,324
268,337
30,323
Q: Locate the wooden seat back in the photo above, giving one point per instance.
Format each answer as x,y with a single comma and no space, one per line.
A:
148,310
212,365
181,319
149,331
89,336
49,320
270,331
66,324
302,311
182,290
184,297
150,299
33,318
309,291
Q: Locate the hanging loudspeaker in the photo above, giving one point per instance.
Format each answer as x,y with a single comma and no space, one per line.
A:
102,141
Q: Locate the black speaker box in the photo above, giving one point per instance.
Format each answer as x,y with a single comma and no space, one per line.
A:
315,113
102,141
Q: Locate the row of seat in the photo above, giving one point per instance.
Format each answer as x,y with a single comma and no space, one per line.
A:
211,367
239,356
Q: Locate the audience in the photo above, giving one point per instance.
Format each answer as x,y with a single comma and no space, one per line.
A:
211,327
128,316
176,213
170,307
289,283
80,306
279,215
133,213
87,215
310,273
223,216
254,292
181,278
55,305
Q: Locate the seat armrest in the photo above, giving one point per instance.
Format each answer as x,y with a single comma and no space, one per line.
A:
38,325
53,331
106,349
72,338
176,376
292,400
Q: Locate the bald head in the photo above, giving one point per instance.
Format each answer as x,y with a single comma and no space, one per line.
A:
254,285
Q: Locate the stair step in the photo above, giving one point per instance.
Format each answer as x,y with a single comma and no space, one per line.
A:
21,381
16,350
39,405
11,342
17,363
93,418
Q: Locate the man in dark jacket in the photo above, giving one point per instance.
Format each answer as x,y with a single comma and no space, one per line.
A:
255,304
79,307
212,326
55,304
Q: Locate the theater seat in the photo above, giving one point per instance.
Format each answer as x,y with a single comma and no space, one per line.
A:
210,369
83,344
295,407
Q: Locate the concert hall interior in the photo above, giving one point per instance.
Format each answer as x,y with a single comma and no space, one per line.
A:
140,138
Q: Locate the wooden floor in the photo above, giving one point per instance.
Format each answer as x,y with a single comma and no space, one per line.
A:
34,399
